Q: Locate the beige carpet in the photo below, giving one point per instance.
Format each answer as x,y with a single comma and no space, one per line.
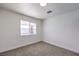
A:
39,49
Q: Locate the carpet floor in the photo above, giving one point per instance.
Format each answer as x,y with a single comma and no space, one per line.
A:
39,49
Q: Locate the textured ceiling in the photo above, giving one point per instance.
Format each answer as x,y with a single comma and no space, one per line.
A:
35,10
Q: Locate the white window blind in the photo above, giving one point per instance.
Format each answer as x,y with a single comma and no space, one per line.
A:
27,28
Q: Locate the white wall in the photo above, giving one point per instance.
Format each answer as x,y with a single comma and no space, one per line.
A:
10,30
63,30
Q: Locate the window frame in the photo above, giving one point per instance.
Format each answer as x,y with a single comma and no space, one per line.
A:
31,29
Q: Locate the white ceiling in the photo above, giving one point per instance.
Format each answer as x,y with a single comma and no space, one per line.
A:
35,10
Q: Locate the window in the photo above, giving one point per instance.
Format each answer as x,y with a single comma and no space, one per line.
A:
27,28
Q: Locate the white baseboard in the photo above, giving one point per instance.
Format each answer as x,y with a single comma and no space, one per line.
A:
49,42
19,46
